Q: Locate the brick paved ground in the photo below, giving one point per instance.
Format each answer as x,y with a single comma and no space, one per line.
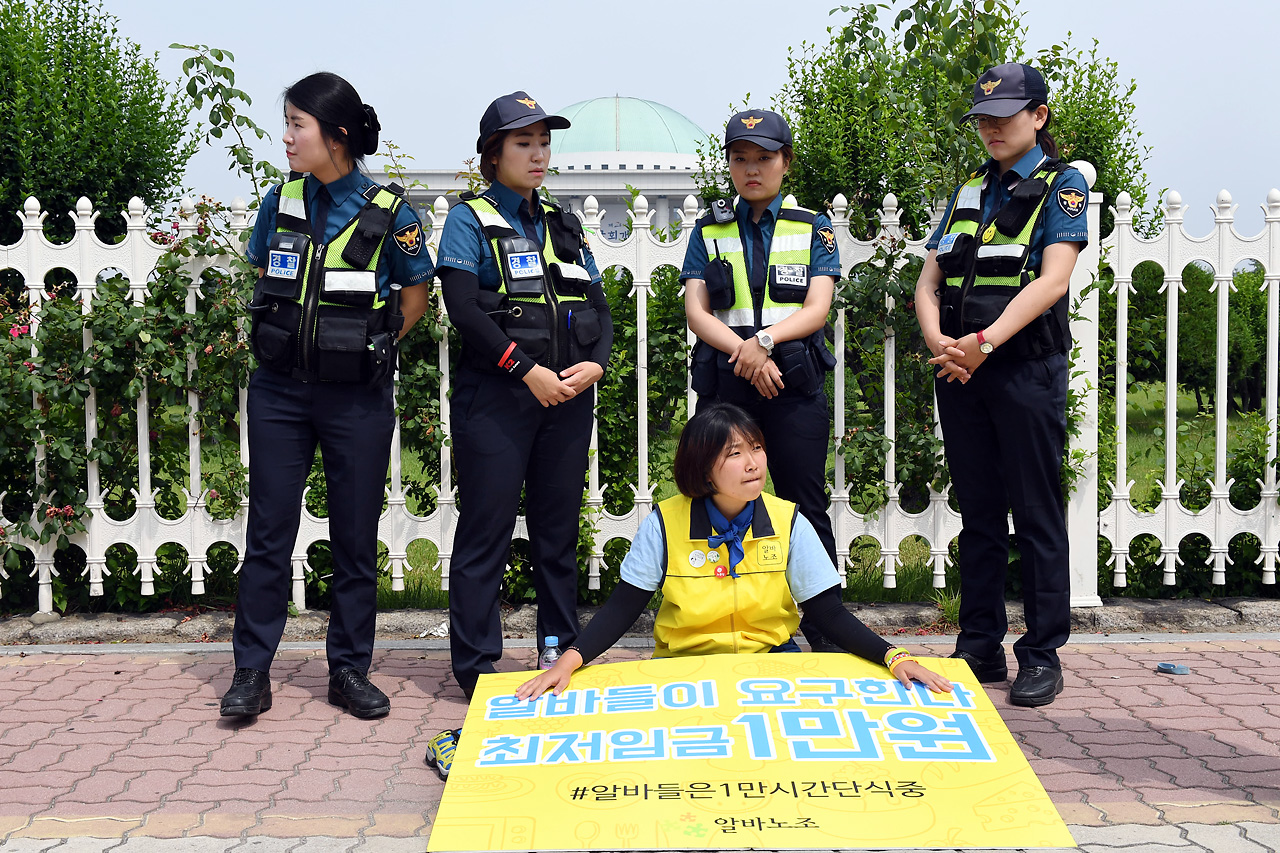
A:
126,751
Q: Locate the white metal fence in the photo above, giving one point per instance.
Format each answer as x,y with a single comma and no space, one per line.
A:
641,253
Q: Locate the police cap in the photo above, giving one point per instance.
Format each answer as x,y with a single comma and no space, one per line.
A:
514,111
1006,90
766,129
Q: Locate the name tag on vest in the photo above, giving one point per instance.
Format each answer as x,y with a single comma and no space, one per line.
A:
947,243
524,265
283,264
350,281
795,275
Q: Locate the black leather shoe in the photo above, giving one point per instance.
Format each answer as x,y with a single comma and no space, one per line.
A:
250,694
986,671
350,688
1036,686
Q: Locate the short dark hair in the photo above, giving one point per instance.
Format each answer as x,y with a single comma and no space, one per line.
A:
704,439
336,105
492,148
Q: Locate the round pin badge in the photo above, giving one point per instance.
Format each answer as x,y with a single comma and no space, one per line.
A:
697,559
989,234
713,556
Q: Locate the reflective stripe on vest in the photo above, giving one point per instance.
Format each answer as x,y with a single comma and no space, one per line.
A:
791,244
703,614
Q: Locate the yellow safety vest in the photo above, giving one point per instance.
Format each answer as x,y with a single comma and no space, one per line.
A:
705,609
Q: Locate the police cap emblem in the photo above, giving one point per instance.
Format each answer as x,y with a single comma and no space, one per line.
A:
752,121
528,102
990,86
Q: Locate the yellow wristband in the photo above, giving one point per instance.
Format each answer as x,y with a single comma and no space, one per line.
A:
893,654
898,661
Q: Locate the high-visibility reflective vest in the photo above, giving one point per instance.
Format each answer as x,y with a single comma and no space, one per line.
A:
542,301
708,609
786,275
985,263
317,310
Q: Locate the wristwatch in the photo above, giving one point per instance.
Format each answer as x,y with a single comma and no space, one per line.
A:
985,346
766,341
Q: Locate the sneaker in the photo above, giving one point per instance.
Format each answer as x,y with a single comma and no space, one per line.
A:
440,750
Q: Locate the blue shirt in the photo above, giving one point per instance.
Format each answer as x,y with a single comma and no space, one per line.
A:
395,264
1059,224
824,256
463,244
809,569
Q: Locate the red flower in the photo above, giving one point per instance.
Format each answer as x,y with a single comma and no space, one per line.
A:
116,410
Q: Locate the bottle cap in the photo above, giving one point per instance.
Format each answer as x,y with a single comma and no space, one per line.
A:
552,640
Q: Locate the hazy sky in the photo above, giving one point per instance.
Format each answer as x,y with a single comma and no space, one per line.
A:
1206,102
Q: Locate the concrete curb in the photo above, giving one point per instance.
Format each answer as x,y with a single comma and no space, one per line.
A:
915,621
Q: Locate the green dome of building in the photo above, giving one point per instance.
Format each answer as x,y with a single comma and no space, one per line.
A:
626,124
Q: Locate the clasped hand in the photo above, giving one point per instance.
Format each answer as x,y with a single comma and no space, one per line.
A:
551,390
752,363
957,359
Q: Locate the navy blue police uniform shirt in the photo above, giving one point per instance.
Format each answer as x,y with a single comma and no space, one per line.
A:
824,256
404,259
464,246
1065,210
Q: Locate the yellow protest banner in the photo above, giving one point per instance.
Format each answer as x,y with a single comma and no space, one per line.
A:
773,751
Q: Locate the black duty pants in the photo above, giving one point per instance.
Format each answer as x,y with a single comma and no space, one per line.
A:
1005,436
352,425
504,438
797,436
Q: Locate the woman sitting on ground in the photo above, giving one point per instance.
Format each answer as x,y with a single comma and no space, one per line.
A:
731,561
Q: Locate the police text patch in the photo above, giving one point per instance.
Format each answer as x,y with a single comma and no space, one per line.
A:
828,238
409,239
524,265
1071,201
282,264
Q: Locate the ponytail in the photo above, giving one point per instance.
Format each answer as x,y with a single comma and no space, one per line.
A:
1043,137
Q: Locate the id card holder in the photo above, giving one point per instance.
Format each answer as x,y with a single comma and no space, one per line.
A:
286,264
520,261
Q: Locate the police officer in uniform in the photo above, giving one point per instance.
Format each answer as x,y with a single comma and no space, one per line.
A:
992,303
521,287
342,262
759,276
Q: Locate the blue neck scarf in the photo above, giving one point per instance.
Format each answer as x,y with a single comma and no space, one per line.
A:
729,532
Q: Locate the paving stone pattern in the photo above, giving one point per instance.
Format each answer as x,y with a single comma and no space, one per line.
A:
127,752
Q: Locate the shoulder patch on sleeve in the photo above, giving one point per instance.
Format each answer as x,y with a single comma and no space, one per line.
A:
828,237
1071,201
409,239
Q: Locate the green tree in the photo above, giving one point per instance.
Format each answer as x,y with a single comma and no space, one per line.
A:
83,113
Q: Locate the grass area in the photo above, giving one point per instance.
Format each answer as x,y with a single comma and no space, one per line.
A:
1146,439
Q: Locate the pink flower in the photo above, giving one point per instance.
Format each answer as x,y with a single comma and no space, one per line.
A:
51,512
14,331
213,494
116,410
208,350
68,511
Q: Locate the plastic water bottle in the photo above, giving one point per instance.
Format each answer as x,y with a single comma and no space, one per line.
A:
550,654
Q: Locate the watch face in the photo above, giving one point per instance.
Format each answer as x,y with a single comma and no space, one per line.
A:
986,349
